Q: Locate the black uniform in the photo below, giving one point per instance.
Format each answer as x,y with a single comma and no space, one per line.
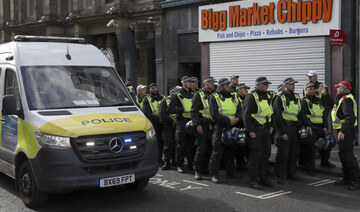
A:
308,149
184,141
242,153
219,149
155,120
168,132
259,147
350,166
203,141
288,151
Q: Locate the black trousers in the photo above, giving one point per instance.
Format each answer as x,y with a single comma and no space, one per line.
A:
184,144
221,150
158,133
203,148
169,142
308,150
259,154
287,154
350,166
242,156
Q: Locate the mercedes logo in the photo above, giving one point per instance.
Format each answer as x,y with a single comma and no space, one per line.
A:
116,145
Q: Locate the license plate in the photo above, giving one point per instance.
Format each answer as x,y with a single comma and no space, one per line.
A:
114,181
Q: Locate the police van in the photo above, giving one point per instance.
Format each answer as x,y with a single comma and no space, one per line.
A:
67,120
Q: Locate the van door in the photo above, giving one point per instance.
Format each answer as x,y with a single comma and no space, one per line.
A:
9,123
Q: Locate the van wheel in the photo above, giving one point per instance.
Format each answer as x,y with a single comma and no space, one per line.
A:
29,192
137,185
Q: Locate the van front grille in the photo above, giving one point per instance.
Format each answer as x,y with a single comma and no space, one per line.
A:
101,148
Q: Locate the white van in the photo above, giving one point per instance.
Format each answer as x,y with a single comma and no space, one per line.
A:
68,121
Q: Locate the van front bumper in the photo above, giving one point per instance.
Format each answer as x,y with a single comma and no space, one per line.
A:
59,171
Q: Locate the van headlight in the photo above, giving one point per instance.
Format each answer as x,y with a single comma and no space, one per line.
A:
150,133
52,141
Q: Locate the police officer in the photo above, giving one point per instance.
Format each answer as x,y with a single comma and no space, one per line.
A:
344,120
168,133
141,93
151,110
314,110
195,84
257,116
287,112
225,110
234,82
129,86
180,104
321,92
200,115
242,152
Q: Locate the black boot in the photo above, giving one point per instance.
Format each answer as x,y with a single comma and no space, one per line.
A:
166,166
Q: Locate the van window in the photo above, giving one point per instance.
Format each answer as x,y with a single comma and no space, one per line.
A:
11,86
56,87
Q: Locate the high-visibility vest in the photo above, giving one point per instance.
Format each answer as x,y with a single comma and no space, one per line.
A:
316,112
168,100
130,88
154,104
205,101
291,112
264,110
186,103
140,102
337,122
227,106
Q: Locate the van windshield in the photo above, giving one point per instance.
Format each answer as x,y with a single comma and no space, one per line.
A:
58,87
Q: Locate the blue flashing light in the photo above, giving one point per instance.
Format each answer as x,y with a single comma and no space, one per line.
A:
128,140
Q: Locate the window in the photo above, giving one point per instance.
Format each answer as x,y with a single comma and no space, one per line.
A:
31,8
108,1
54,87
11,86
88,4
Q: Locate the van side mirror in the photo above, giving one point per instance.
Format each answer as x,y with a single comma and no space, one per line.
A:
9,107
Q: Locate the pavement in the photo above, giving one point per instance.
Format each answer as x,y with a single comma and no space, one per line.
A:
334,158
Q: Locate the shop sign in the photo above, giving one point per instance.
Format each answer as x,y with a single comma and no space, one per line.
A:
337,37
266,19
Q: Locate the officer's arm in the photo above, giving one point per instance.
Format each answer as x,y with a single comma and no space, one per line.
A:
148,112
196,106
349,116
163,113
175,106
303,118
278,120
249,108
214,111
239,115
304,107
328,103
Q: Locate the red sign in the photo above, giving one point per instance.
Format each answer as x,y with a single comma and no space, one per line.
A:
337,37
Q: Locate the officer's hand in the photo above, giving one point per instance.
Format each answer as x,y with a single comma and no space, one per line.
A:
271,130
309,130
199,129
323,89
325,130
252,135
341,136
233,121
284,137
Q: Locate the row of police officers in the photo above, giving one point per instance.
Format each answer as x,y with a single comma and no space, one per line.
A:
214,111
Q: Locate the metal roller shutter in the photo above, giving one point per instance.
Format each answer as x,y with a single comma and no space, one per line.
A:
276,59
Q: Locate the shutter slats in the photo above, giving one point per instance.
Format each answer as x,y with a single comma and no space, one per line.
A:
276,59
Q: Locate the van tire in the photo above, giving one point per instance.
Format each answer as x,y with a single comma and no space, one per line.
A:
137,185
29,192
